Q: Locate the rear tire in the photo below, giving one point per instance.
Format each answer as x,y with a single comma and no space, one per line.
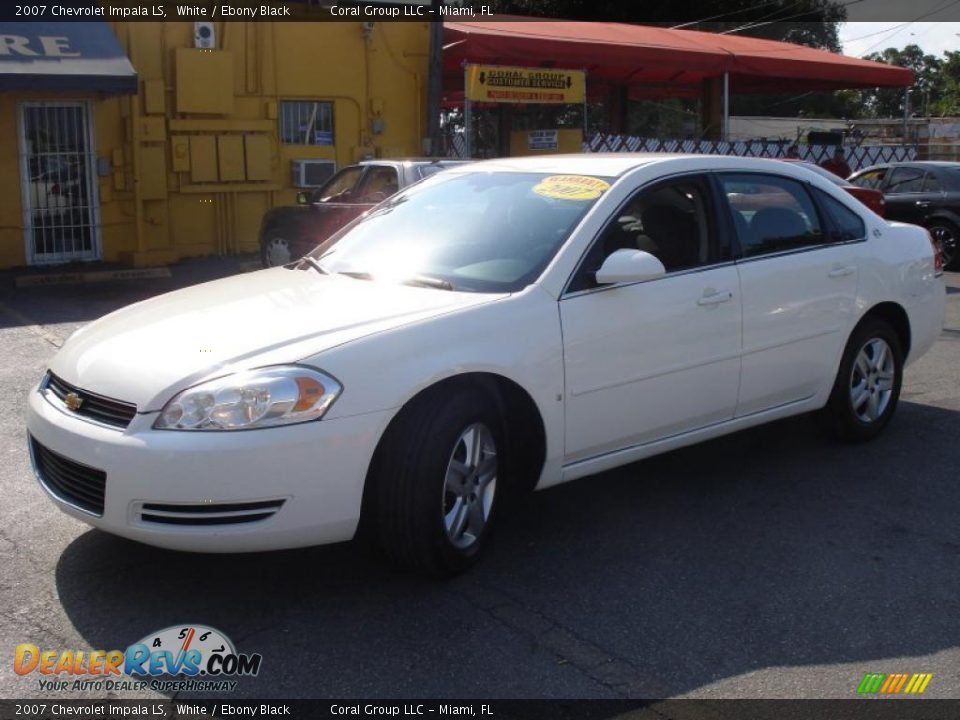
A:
275,251
867,387
435,475
947,237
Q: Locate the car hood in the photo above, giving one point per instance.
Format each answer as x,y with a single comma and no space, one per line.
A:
147,352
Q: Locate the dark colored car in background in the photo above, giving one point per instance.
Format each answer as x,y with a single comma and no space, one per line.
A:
289,232
870,197
921,193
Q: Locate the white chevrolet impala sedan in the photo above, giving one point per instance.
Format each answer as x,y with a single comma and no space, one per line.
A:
503,326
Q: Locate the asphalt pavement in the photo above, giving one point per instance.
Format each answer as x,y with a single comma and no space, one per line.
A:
770,563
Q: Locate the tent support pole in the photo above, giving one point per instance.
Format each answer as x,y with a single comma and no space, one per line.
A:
467,116
725,130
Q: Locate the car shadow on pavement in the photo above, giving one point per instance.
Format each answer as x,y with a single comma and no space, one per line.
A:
771,547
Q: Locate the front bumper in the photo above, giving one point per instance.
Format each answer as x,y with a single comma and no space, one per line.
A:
313,472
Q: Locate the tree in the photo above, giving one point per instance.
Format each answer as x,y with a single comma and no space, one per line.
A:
926,92
949,102
805,22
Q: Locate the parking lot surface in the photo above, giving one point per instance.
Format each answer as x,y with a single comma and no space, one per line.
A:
770,563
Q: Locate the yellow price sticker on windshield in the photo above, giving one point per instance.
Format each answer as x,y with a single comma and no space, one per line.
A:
571,187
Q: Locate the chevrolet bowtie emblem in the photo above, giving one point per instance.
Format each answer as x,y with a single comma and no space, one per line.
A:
72,401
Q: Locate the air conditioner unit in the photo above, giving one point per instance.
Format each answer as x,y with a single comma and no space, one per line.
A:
311,172
203,36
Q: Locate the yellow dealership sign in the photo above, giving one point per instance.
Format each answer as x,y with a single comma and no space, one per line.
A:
500,83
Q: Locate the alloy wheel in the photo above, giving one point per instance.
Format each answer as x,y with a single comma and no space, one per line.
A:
946,240
470,485
872,379
278,252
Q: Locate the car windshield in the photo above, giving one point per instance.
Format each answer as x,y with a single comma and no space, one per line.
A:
478,232
338,186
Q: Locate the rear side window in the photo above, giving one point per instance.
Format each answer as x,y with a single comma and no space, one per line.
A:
771,214
905,180
872,179
931,183
847,225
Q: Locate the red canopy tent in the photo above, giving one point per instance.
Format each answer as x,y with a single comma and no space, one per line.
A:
656,61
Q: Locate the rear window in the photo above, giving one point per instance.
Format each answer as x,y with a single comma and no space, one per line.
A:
425,171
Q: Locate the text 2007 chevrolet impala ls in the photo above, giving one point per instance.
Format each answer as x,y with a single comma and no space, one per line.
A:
502,326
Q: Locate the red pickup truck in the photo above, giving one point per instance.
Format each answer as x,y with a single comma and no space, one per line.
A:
289,232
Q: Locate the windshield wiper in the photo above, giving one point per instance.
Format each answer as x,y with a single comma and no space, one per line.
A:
312,262
428,281
355,274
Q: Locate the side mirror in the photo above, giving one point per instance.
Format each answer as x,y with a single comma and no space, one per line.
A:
629,266
303,198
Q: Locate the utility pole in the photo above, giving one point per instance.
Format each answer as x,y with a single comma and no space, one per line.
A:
435,78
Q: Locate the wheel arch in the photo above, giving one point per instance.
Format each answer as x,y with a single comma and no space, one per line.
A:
894,314
523,424
943,215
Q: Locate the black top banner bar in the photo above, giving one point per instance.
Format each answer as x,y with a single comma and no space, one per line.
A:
401,11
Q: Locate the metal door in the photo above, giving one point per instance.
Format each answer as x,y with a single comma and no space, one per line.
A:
61,213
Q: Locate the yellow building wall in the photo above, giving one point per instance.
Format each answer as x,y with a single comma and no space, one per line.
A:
195,158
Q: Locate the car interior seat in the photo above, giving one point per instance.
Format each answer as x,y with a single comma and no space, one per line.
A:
675,234
775,228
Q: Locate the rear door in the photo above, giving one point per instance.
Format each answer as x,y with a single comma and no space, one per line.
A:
903,190
799,286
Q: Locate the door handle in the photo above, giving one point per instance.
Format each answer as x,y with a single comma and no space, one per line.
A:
841,271
922,204
714,297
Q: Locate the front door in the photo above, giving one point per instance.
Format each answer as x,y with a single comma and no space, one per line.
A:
60,206
649,360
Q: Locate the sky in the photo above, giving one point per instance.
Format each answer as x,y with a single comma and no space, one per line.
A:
860,38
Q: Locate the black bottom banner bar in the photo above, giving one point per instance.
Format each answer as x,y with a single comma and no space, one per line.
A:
884,709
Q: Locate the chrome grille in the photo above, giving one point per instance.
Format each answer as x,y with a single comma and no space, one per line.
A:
95,407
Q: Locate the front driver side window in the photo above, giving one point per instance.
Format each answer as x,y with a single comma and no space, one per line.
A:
669,221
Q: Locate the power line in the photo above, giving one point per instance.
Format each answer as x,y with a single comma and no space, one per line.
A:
904,26
722,15
750,26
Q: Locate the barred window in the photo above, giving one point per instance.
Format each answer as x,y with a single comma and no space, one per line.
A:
306,122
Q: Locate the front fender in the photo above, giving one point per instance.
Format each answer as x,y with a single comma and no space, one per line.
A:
384,371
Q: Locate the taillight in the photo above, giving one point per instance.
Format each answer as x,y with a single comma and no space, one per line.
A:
937,255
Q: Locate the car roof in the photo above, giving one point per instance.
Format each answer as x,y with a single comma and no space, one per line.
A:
396,162
618,164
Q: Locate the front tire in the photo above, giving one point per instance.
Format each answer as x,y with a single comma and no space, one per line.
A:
435,481
867,387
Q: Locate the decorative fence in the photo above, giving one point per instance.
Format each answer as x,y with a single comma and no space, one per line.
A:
858,156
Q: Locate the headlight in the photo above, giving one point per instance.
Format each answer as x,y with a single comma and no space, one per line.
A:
265,397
